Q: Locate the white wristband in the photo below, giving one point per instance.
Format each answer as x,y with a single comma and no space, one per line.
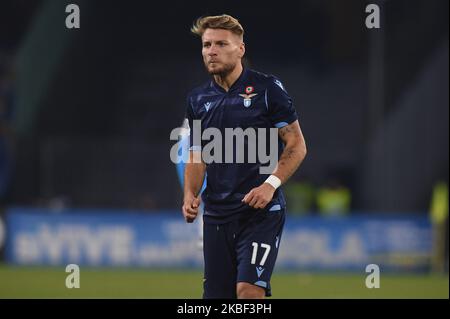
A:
274,181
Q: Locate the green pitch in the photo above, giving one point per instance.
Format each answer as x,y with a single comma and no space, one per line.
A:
39,282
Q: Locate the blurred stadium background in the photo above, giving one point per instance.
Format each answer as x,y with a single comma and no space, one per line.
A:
85,173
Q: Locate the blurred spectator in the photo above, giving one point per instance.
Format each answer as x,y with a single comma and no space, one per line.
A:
333,199
439,219
300,195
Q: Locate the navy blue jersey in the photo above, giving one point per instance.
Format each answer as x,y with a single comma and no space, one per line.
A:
255,100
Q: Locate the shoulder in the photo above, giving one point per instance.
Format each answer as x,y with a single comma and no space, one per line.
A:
202,89
269,81
195,95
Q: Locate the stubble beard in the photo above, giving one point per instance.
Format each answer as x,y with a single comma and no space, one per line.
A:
222,71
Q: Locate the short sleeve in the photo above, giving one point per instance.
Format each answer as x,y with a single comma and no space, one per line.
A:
281,109
190,116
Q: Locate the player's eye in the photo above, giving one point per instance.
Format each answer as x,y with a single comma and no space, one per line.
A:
206,45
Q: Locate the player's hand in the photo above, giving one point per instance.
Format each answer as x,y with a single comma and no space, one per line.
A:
190,208
259,196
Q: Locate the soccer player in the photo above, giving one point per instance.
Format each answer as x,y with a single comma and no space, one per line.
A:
244,210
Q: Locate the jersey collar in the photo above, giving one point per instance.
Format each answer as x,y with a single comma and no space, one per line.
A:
235,85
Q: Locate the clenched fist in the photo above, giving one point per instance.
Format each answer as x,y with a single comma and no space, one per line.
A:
259,196
190,207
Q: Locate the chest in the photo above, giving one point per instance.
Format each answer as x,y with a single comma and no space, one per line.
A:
234,109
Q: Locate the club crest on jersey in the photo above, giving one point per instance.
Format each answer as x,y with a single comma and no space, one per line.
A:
248,95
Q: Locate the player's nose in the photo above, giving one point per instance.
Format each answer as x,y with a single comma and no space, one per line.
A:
212,51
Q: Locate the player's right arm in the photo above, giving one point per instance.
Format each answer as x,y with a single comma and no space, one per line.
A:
194,174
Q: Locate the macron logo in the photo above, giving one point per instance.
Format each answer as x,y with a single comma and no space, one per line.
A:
259,271
277,82
207,106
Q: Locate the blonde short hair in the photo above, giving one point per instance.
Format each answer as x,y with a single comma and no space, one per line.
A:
223,21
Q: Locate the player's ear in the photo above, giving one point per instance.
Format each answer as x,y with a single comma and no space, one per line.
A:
242,49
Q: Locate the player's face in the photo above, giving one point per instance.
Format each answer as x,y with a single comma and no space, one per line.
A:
222,51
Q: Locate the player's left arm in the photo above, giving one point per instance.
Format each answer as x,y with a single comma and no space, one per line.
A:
294,151
292,156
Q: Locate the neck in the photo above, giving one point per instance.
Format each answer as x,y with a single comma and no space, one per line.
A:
227,80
